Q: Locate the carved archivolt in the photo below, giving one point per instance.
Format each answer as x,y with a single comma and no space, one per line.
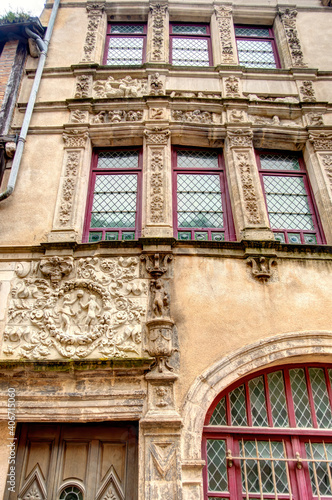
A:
76,309
75,138
240,138
68,188
157,136
95,12
252,213
117,116
157,201
158,13
123,87
288,18
83,86
225,25
321,141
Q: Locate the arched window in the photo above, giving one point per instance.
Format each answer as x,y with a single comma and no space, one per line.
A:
269,436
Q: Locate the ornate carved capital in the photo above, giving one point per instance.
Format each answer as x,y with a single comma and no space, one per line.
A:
158,13
262,267
225,25
288,19
156,264
95,8
157,136
321,141
240,138
75,138
56,268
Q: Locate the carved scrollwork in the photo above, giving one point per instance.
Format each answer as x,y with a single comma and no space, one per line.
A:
158,14
95,12
327,162
225,25
288,18
68,188
157,136
252,212
262,267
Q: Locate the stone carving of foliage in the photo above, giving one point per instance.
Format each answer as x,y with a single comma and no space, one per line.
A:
117,116
75,138
157,136
321,141
98,311
288,18
262,267
157,191
195,116
327,162
95,11
248,188
225,25
158,14
123,87
68,188
82,86
232,86
307,91
78,116
240,138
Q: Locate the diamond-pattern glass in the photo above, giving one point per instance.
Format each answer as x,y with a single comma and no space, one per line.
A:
197,159
255,32
256,54
287,203
279,162
118,159
319,476
190,52
278,399
189,30
114,201
269,471
300,397
238,406
217,468
126,29
321,398
257,402
219,414
125,51
199,201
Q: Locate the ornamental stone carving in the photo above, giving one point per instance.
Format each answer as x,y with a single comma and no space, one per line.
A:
78,116
156,264
225,26
288,19
97,312
268,98
75,138
236,116
274,121
307,92
196,95
68,188
196,116
157,191
123,87
95,12
321,141
243,164
240,138
158,14
117,116
232,87
327,162
157,136
315,119
156,85
262,267
83,86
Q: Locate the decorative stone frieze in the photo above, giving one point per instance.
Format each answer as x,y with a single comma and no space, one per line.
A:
274,121
307,91
232,87
75,138
251,206
78,116
288,19
225,26
261,267
322,141
196,95
158,13
83,86
157,84
196,116
95,13
123,87
117,116
240,138
157,136
76,309
268,98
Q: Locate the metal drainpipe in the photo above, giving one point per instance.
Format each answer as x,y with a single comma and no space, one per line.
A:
43,46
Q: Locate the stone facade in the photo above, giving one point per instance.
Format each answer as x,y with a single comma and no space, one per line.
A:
150,330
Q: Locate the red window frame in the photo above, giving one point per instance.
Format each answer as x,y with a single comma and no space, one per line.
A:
110,35
270,38
114,171
293,437
318,230
206,36
228,229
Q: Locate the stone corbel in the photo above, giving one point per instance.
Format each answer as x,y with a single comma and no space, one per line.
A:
262,266
95,11
288,19
156,264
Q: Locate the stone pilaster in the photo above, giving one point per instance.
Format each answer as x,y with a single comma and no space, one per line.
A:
223,36
157,216
69,205
158,33
249,211
95,36
290,39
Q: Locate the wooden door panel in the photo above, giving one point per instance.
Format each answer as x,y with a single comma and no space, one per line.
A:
38,452
75,460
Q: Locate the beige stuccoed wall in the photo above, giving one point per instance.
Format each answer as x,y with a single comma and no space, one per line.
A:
316,46
218,307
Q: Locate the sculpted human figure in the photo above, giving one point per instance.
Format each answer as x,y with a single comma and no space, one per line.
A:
92,310
66,311
160,299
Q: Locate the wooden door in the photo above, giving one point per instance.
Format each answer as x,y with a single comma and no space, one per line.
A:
76,462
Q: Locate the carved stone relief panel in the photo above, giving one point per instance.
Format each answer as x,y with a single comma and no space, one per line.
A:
236,115
75,138
315,119
76,309
67,190
288,19
196,116
158,12
117,116
251,204
121,87
269,98
83,87
95,13
307,92
262,267
225,26
232,87
327,163
78,116
157,84
274,121
240,138
322,141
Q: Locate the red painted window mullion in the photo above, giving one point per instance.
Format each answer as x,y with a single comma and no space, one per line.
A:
228,410
248,405
311,398
289,399
268,402
328,385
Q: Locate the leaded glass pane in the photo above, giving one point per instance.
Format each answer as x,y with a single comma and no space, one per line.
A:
278,399
217,467
197,159
320,472
255,32
279,162
125,51
71,493
218,236
189,30
310,239
118,159
256,54
300,397
321,398
127,29
265,472
184,235
114,201
238,406
294,238
199,201
280,237
190,52
287,203
257,402
95,236
219,414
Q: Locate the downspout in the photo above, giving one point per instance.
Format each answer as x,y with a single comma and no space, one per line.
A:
43,47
